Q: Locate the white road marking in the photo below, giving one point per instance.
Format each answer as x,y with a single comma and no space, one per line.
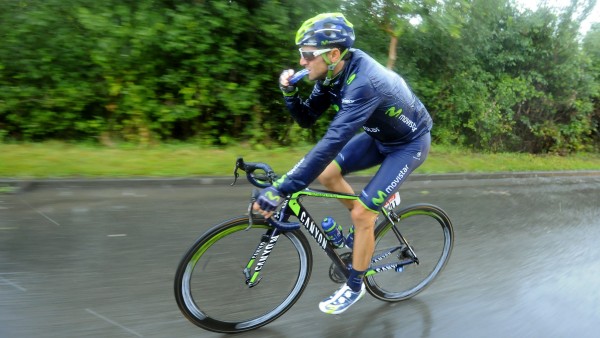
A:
39,212
113,322
6,281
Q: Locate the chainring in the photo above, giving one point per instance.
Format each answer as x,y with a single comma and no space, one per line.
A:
335,274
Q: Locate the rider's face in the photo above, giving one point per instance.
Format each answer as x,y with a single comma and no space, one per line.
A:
317,66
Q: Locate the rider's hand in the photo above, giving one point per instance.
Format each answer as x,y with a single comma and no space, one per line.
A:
268,200
284,81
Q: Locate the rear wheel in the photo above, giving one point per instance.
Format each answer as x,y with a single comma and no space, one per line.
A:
419,246
212,290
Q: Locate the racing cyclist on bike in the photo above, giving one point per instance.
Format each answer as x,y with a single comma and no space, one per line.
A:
396,135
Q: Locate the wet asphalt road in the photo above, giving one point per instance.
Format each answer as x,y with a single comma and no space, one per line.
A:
81,260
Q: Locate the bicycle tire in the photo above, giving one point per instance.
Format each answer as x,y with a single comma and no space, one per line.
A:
210,287
433,248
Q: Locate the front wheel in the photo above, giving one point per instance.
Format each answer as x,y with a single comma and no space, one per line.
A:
413,252
214,287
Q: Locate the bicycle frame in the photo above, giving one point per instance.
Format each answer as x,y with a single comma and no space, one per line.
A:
293,207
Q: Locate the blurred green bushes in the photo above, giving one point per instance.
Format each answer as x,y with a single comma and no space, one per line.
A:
147,71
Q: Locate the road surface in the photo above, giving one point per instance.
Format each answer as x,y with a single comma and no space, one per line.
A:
98,260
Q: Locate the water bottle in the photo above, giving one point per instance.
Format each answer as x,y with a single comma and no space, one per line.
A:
333,232
298,76
350,237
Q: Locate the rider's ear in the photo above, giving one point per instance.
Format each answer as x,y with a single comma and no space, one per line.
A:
335,55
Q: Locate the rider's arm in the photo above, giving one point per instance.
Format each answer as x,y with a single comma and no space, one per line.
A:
306,112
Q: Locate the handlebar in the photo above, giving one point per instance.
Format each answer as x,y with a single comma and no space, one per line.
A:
261,180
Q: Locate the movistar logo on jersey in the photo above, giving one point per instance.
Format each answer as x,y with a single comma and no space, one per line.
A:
393,112
272,197
380,198
401,174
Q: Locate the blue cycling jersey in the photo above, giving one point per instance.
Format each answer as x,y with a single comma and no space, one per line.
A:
366,96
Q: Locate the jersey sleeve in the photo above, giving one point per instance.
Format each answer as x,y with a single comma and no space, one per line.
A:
356,107
306,112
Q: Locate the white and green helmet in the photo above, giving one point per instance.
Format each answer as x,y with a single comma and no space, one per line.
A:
325,30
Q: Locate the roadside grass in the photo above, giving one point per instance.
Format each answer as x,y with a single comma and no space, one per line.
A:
62,160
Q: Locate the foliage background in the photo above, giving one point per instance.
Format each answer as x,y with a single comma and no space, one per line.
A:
494,77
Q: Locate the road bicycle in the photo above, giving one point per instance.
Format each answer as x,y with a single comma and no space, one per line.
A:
247,271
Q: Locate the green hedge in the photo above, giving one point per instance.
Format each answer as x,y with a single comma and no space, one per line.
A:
144,71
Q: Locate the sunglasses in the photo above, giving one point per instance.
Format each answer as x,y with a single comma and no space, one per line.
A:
311,55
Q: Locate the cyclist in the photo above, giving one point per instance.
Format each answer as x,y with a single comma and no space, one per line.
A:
395,134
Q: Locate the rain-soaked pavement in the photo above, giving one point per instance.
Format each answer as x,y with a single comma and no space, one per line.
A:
97,260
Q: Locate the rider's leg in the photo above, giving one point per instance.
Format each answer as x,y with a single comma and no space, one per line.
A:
362,217
364,244
333,180
360,153
364,236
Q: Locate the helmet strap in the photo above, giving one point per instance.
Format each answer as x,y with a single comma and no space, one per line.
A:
331,66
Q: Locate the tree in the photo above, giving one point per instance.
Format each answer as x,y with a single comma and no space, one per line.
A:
591,48
397,18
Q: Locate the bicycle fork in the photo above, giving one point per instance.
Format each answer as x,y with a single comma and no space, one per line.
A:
264,248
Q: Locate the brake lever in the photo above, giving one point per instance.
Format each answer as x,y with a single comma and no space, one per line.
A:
238,164
235,177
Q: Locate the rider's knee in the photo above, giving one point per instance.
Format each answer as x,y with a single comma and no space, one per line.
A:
330,175
362,216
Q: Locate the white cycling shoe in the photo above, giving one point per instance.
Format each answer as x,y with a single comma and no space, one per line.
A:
341,300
